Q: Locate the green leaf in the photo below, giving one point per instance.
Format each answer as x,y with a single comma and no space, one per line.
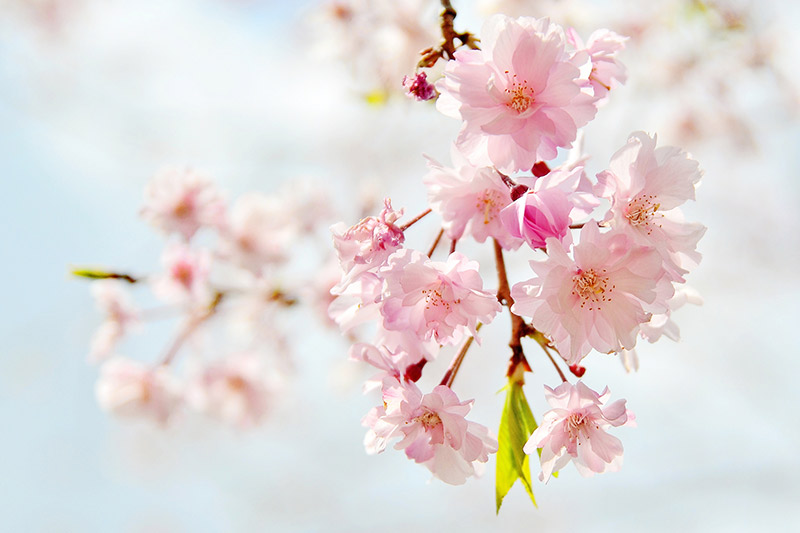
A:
101,274
516,425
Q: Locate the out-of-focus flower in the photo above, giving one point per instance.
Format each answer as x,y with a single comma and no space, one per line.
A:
121,315
186,276
575,430
180,200
418,87
129,389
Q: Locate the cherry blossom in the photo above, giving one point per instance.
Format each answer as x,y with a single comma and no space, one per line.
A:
180,200
575,430
438,300
537,216
432,428
418,87
646,185
130,389
469,199
521,97
599,299
237,389
186,276
603,48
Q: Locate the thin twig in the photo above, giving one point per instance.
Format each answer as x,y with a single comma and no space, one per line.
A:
436,242
455,364
415,219
191,325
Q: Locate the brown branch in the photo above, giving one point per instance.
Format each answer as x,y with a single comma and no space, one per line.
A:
519,328
415,219
455,364
436,242
448,47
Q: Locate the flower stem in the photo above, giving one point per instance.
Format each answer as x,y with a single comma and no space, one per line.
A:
455,364
191,325
414,220
436,242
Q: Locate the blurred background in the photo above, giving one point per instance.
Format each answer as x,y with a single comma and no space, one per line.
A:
95,96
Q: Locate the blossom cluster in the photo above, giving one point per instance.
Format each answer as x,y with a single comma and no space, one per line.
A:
610,253
221,280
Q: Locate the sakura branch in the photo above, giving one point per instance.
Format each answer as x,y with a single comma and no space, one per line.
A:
222,284
598,282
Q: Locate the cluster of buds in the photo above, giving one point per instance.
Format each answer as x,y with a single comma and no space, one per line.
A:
610,257
221,280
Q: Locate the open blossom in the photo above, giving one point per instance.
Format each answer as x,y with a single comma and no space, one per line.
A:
646,185
368,244
398,364
128,388
121,315
521,97
435,300
469,199
599,299
603,48
575,430
236,390
179,200
186,276
432,428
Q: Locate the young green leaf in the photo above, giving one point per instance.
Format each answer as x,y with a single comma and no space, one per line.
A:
516,425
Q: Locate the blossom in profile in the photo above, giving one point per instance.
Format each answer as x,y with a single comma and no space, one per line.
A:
521,97
432,429
127,388
469,200
575,430
237,390
435,300
120,316
366,245
180,200
599,299
537,216
603,48
646,185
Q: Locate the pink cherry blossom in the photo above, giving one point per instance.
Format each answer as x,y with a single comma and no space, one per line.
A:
366,245
129,389
469,199
237,389
121,316
432,428
603,48
575,430
521,97
259,232
599,299
646,185
435,300
180,200
537,216
392,363
186,276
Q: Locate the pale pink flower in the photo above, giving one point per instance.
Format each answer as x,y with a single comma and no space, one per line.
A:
368,244
575,430
180,200
433,430
646,185
435,300
127,388
418,87
599,299
358,303
237,389
258,233
397,364
521,97
185,279
469,199
120,316
603,48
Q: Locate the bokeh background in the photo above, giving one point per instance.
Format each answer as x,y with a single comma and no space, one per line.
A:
95,96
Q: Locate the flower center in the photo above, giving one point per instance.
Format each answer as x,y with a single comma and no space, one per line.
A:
592,287
429,419
489,202
184,208
435,298
521,96
183,274
641,210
